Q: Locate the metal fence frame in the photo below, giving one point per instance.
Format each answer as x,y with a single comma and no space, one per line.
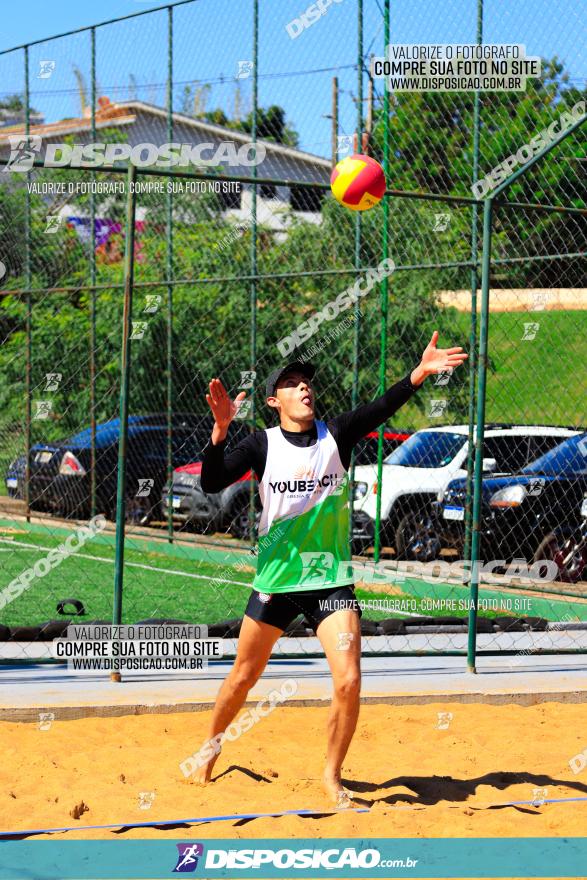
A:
474,510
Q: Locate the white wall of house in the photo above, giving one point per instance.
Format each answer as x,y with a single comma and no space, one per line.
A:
149,126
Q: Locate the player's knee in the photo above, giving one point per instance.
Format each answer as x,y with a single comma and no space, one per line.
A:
244,676
348,685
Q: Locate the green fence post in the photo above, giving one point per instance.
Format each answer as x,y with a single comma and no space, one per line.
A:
484,333
93,285
29,305
474,283
355,390
384,283
129,262
169,273
253,287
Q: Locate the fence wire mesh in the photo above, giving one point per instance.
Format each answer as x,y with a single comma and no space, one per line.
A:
227,268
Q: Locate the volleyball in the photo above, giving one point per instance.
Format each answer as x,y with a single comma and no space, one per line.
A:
358,182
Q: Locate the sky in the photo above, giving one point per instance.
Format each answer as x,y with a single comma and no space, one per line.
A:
212,36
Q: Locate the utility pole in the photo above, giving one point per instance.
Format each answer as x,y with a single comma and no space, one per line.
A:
366,133
334,120
237,103
369,122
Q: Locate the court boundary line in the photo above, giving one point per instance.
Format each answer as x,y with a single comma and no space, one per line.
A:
276,815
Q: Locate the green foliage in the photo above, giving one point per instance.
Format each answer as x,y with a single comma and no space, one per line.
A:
14,103
432,152
271,126
271,121
300,273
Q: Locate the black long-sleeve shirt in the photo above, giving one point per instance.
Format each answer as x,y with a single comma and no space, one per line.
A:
220,468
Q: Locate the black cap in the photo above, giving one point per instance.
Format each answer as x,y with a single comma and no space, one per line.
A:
304,367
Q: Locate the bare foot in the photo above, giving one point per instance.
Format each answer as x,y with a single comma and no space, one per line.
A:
339,796
204,773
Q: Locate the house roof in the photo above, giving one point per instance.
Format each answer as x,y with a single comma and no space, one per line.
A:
6,113
125,113
106,115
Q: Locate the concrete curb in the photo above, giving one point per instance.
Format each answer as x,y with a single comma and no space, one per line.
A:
72,713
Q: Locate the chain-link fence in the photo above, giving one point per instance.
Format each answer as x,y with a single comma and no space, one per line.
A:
220,268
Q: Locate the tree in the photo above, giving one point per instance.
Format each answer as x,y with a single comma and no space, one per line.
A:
300,273
15,103
271,122
432,151
271,126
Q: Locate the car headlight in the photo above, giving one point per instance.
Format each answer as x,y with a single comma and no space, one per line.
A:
511,496
180,478
189,481
360,490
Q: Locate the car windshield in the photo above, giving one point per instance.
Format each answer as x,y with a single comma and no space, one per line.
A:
569,457
427,449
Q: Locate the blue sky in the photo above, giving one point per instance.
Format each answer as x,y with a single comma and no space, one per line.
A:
211,36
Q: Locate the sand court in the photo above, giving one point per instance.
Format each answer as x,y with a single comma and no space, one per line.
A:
440,769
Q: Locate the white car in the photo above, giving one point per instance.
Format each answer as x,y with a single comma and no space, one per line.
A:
421,468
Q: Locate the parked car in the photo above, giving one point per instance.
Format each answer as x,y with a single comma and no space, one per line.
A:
225,511
15,477
422,467
568,550
60,472
366,448
228,511
527,515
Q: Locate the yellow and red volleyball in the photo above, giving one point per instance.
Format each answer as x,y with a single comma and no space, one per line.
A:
358,182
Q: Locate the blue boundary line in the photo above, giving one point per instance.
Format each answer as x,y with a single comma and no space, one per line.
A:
237,816
325,812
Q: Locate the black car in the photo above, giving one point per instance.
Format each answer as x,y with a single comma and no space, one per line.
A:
15,477
521,513
225,511
60,472
569,551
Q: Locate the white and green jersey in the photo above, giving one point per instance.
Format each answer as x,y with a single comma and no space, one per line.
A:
303,484
304,527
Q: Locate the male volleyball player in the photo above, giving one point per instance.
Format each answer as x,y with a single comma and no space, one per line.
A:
302,467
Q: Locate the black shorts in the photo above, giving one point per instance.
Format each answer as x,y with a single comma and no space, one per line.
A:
280,609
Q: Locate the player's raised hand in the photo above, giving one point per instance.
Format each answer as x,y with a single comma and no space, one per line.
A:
435,360
223,408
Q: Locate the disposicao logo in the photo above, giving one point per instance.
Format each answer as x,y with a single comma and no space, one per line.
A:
188,855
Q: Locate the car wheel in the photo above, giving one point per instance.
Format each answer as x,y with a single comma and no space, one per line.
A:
140,511
359,546
239,524
416,538
137,510
569,557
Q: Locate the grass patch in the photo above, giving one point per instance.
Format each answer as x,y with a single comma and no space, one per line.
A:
160,585
529,381
155,585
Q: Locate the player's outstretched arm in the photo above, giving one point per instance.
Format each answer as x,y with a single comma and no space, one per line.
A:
221,468
350,426
435,360
223,409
